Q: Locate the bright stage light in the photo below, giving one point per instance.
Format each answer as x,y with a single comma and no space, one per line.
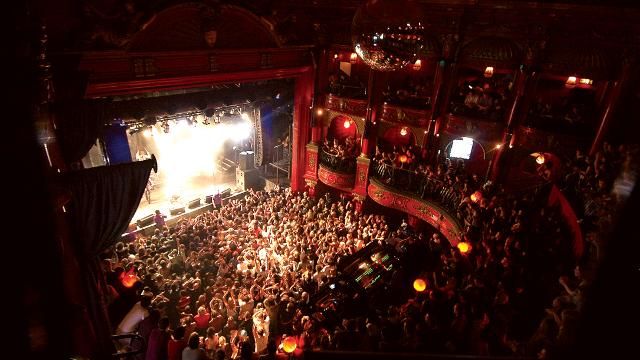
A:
245,116
147,133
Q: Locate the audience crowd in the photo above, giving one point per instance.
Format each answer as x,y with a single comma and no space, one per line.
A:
483,97
340,155
233,282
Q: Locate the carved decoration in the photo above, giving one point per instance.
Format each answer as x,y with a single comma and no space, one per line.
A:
430,212
336,180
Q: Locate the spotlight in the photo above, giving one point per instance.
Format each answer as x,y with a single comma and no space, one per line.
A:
245,116
147,133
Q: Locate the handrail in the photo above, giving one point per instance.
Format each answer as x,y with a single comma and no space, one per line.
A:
334,162
421,185
129,353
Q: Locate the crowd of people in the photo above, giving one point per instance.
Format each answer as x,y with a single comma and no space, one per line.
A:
484,98
340,155
572,113
233,282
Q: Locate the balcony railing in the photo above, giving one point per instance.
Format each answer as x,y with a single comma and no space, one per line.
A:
423,186
346,165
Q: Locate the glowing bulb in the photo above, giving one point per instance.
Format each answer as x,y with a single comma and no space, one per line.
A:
464,247
417,65
476,196
319,112
289,344
353,57
347,124
498,147
245,116
540,159
147,133
571,80
419,285
488,71
403,131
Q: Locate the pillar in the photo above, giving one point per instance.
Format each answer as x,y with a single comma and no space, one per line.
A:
498,168
303,103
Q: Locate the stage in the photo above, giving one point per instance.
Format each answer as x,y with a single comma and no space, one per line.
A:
194,188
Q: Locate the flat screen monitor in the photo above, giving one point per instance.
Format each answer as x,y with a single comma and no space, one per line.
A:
461,148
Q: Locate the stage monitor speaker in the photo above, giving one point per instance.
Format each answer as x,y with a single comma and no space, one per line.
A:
209,199
245,161
145,221
194,203
247,179
225,193
177,211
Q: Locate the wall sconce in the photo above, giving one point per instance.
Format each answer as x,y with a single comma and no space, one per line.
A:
586,81
353,58
319,112
403,131
347,124
571,81
417,65
488,71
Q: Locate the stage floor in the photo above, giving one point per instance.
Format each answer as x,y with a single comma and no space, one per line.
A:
197,187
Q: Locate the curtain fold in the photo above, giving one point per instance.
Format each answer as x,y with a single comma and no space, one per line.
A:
103,202
78,126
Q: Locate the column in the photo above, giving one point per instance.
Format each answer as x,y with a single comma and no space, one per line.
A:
377,81
611,103
303,103
498,168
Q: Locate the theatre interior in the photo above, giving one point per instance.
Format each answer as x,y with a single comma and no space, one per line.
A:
317,179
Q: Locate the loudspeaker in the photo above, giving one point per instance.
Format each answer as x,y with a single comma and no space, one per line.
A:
247,179
245,161
208,199
177,211
145,221
225,193
194,203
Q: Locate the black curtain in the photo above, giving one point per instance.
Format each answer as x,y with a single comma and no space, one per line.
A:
103,201
78,126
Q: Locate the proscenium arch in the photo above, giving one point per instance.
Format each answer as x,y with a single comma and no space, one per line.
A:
182,27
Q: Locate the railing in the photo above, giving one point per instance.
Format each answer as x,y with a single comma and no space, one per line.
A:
425,187
345,165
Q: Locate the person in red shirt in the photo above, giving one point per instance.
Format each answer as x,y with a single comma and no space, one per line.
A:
176,344
202,320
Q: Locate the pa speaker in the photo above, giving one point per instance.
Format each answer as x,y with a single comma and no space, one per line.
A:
246,160
145,221
208,199
194,203
225,193
177,211
247,179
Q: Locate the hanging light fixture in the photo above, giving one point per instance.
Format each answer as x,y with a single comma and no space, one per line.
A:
488,71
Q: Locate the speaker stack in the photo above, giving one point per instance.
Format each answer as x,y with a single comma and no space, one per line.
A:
247,179
245,160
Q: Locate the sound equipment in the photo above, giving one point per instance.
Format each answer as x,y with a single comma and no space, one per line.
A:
208,199
225,193
145,221
247,179
194,203
177,211
245,160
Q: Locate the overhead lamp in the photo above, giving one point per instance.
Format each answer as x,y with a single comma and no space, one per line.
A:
488,71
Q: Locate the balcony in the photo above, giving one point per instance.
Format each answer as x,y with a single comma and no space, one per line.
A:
337,172
426,198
